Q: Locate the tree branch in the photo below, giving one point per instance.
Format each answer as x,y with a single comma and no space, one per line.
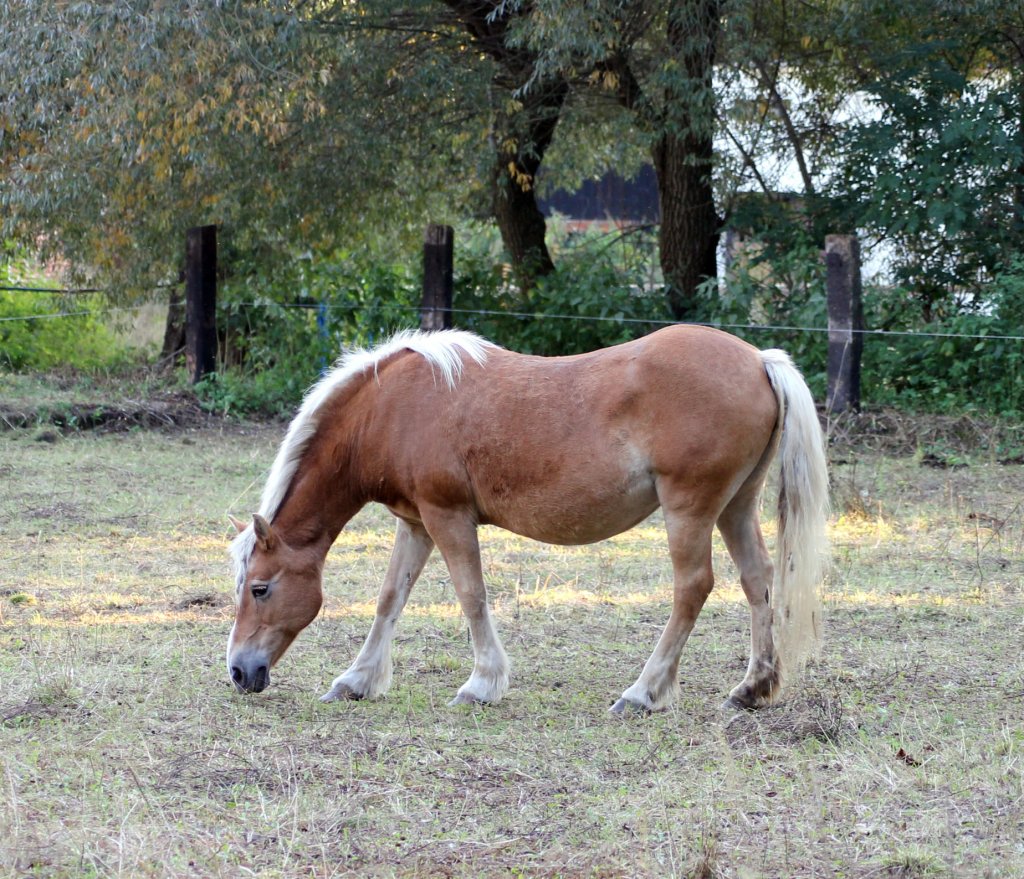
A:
771,84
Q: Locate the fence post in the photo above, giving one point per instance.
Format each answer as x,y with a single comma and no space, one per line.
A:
845,322
200,301
438,253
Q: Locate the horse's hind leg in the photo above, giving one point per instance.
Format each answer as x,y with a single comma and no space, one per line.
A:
456,537
370,674
689,540
741,531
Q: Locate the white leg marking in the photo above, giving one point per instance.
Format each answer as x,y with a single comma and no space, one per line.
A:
370,675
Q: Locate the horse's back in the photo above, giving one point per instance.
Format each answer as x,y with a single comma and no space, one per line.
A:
572,449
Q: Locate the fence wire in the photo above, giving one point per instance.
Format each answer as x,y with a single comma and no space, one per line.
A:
524,315
312,306
62,314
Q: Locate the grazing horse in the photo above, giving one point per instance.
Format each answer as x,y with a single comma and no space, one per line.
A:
451,432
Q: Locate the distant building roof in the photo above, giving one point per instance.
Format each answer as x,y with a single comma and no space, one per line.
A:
611,198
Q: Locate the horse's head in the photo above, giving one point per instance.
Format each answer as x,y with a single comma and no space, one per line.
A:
278,594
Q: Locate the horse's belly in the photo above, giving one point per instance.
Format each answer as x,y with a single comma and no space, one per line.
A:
569,515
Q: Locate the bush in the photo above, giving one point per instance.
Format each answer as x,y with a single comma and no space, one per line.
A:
768,297
955,369
961,370
600,294
280,332
48,340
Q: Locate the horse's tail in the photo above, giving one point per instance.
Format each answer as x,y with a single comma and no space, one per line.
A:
803,508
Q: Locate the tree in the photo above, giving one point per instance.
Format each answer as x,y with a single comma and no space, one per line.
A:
937,168
122,125
523,126
657,62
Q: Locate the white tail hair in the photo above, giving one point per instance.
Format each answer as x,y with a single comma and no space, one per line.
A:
801,545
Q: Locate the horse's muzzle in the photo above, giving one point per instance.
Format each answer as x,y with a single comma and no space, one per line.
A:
250,674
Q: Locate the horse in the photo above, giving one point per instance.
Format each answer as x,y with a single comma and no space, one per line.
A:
451,432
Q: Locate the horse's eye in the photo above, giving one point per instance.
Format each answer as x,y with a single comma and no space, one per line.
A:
259,590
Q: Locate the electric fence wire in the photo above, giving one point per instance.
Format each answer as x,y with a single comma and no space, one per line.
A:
523,315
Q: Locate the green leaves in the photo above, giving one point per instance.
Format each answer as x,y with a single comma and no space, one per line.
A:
935,174
134,121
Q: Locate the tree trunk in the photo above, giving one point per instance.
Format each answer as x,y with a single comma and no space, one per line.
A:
1018,189
174,329
521,140
688,239
522,130
688,236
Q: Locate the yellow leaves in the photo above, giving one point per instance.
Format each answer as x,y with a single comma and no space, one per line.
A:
162,167
196,112
244,73
523,180
606,79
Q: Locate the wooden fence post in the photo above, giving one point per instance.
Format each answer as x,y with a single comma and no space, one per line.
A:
438,272
845,322
201,301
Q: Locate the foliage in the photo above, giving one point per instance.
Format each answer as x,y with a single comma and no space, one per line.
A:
600,294
44,330
946,373
905,121
291,126
936,366
935,179
280,330
770,290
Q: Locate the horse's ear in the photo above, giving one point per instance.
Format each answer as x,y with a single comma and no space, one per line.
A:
265,537
239,525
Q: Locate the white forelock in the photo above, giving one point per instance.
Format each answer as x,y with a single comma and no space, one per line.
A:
445,351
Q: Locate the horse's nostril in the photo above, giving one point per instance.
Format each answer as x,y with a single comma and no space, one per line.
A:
236,674
261,679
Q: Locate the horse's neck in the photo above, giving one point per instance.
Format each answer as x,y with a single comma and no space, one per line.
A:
321,499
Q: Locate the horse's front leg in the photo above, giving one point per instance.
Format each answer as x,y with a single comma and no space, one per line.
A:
370,675
456,537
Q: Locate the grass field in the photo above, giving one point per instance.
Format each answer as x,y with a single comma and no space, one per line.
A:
125,752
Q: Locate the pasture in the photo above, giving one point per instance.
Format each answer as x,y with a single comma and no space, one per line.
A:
126,752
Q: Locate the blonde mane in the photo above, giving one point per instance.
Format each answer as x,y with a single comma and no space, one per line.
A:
445,351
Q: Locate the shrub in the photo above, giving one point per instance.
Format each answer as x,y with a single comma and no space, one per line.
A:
943,365
279,332
51,336
600,294
959,368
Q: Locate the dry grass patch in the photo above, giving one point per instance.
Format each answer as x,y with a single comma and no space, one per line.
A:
124,751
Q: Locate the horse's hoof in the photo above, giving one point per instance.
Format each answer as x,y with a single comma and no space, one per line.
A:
732,705
627,708
465,699
341,693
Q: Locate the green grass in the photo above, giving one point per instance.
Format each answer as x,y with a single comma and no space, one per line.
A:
125,752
